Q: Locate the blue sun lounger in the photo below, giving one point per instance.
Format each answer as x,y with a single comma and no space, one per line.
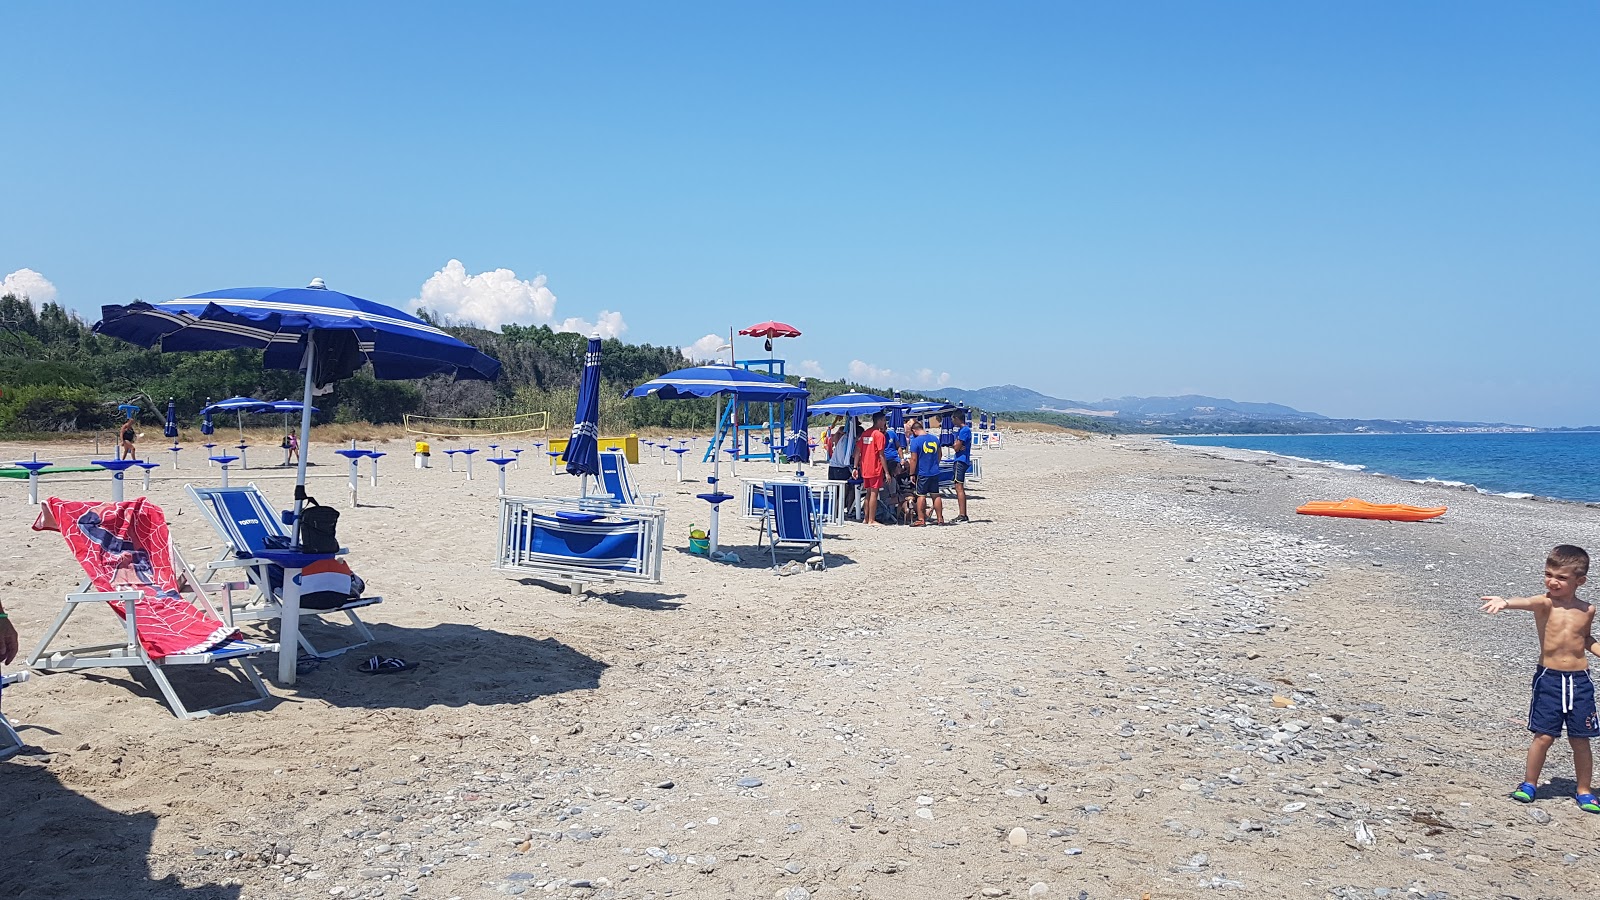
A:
616,484
794,521
245,522
581,540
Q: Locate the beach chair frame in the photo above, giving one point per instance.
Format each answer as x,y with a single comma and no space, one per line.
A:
754,502
617,483
264,605
130,654
795,520
519,516
10,742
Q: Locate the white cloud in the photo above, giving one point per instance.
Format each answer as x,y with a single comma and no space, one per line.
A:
876,376
30,284
708,347
809,368
498,297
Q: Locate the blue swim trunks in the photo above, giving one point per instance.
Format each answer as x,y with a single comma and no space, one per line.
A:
1563,698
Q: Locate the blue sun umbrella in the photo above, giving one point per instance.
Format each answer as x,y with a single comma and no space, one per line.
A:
582,454
897,421
855,404
171,429
717,381
327,334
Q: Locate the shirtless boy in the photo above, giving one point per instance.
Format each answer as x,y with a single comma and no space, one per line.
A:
1562,691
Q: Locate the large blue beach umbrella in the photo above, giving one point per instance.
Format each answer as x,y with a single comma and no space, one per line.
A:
327,334
854,404
582,454
171,430
718,381
238,406
799,449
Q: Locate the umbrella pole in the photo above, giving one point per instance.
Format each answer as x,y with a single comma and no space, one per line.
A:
289,622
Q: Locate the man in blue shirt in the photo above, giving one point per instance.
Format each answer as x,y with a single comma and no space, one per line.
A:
963,461
924,457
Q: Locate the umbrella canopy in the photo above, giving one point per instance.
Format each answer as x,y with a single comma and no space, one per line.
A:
715,380
897,420
171,429
582,454
284,406
207,426
770,330
799,447
930,408
277,320
237,404
854,404
326,334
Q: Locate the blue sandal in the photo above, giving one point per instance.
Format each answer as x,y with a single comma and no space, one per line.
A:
1587,803
1526,793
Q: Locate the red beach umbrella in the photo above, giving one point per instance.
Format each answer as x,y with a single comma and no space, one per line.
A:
771,330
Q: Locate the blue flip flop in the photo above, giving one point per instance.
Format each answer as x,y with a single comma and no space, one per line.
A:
1587,803
1525,793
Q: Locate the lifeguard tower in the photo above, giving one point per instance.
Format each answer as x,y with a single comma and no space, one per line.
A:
759,428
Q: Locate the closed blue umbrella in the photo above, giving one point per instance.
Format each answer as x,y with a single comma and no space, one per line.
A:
327,334
582,454
897,421
207,427
171,430
799,449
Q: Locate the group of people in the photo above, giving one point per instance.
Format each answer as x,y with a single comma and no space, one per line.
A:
898,476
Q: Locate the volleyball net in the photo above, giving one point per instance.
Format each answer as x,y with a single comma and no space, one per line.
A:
485,426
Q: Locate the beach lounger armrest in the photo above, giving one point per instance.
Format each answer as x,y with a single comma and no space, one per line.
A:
129,601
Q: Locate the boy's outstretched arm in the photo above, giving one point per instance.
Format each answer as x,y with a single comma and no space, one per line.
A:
1493,605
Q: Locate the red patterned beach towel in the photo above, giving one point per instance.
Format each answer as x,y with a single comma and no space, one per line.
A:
125,546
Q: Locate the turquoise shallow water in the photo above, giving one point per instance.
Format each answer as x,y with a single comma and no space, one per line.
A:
1564,465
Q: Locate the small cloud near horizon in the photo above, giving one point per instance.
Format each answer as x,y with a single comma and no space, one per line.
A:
810,368
876,376
498,297
30,284
707,348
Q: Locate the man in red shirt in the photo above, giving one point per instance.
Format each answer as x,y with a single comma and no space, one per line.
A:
870,467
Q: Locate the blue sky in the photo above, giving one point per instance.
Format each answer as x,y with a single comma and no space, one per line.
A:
1359,209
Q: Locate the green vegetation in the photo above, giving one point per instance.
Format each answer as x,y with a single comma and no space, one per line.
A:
56,374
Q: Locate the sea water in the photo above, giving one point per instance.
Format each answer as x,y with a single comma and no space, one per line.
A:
1563,465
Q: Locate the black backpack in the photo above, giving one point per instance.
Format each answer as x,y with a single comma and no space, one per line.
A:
319,528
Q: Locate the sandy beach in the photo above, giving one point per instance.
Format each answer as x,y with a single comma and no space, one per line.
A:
1135,674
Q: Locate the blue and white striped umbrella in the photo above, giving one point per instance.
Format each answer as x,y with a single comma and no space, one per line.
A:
713,381
278,320
582,454
238,406
897,421
855,404
171,429
930,408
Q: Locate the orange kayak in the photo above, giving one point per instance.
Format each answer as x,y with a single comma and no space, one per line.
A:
1361,509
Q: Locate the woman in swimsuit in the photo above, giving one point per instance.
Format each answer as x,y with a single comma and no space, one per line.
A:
127,440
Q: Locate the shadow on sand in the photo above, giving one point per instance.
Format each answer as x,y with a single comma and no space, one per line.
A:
55,843
485,668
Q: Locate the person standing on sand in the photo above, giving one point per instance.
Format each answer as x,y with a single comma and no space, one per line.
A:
870,468
1562,691
963,463
126,451
924,460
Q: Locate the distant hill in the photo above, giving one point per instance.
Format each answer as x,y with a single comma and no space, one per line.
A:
1190,407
